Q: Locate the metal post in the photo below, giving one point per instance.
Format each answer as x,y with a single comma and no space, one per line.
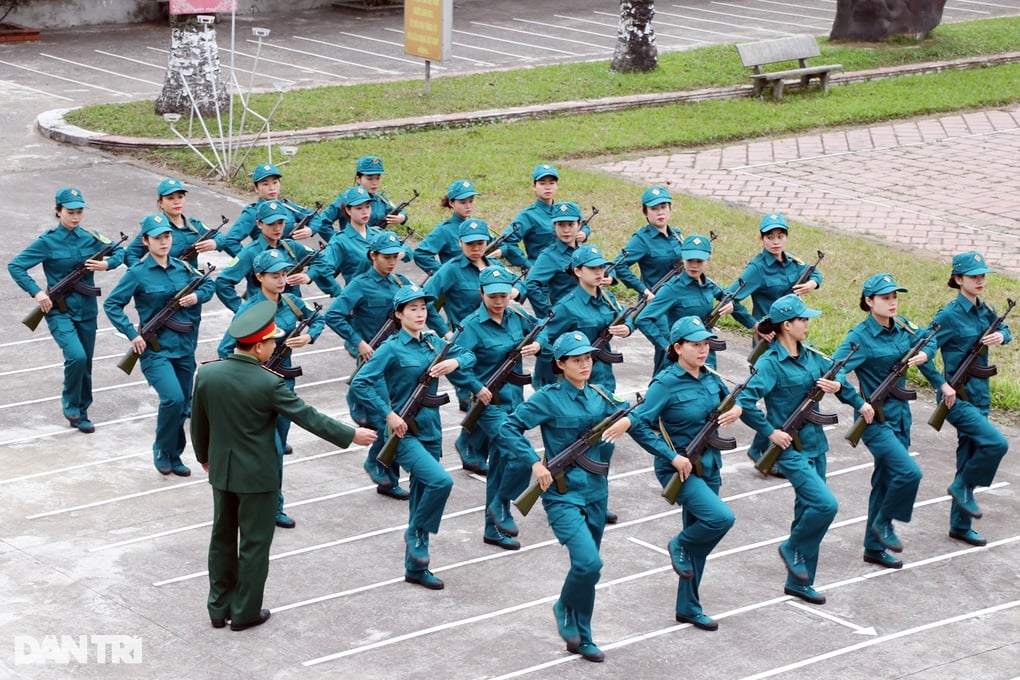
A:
428,75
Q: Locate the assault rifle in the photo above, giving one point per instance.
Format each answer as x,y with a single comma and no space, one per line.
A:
890,387
164,319
707,436
805,413
969,368
396,210
717,344
574,455
611,267
191,252
282,351
805,275
419,399
501,240
72,281
587,220
604,337
390,327
307,215
303,263
505,373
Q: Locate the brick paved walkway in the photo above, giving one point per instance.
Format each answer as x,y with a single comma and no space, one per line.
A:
942,184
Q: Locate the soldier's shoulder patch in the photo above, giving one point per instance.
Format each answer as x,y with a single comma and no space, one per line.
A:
99,237
794,258
234,261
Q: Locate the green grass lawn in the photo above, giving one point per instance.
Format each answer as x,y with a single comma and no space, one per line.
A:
499,158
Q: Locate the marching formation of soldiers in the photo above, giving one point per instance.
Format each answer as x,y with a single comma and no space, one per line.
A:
466,321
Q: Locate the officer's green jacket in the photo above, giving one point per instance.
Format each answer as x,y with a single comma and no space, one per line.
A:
59,250
152,286
535,228
549,279
241,268
678,404
233,423
323,223
766,279
246,228
387,379
286,320
182,237
653,252
490,342
442,242
563,412
365,304
961,323
879,349
783,381
456,283
683,296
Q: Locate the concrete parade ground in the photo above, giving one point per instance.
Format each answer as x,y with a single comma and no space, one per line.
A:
98,548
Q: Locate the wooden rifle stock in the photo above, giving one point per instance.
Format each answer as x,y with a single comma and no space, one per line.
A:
191,252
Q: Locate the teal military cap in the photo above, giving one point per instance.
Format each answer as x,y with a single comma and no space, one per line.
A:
655,196
791,307
696,247
255,324
567,212
473,230
170,186
495,279
356,196
70,198
269,261
773,221
265,170
970,264
571,344
154,225
880,284
689,328
544,170
270,212
386,243
587,256
406,294
370,165
461,189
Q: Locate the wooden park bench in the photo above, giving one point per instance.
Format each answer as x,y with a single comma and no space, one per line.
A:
797,48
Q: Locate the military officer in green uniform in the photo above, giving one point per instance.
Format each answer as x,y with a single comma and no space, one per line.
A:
233,430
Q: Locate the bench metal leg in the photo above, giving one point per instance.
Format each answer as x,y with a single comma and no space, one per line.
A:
825,81
777,88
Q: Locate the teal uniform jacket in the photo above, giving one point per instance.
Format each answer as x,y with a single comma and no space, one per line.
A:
241,268
286,320
246,228
653,252
362,308
346,254
535,228
683,296
550,278
767,279
151,286
442,242
490,342
183,237
589,314
323,223
457,283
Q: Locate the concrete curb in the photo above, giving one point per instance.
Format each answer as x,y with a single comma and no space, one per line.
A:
51,124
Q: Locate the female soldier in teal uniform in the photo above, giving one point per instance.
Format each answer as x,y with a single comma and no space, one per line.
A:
362,309
490,333
883,338
564,410
769,276
980,446
59,250
171,199
379,391
271,218
347,252
169,369
679,399
551,278
266,179
655,247
270,271
786,372
367,175
690,293
444,241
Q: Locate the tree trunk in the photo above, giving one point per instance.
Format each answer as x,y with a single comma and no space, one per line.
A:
878,20
194,59
635,39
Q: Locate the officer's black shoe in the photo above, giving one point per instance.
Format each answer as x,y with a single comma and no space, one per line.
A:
263,617
218,623
284,521
288,449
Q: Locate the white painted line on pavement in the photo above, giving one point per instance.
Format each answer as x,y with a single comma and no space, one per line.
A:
9,84
815,611
463,58
515,42
368,52
750,18
68,80
560,39
296,67
730,24
829,15
320,56
101,70
35,475
688,27
776,12
161,67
